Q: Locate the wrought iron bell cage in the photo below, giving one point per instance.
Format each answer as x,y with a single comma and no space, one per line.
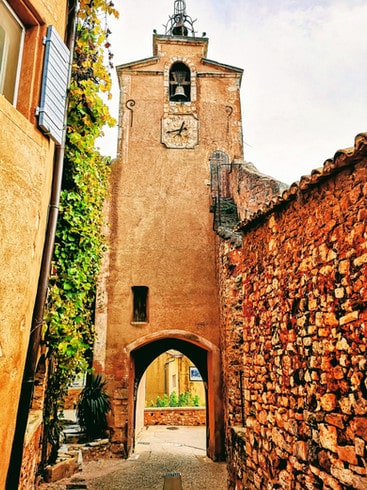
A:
180,24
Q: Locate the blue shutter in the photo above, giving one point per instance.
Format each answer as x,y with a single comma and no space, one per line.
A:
55,79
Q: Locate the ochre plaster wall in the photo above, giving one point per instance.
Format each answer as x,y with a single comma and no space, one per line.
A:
26,164
294,320
160,226
159,378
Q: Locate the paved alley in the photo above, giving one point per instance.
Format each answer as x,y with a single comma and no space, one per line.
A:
159,450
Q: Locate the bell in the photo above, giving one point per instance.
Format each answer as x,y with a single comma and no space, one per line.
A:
180,29
179,93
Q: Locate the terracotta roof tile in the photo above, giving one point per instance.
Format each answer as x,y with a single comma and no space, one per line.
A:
342,158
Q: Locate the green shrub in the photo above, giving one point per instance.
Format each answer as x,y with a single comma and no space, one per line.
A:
93,406
196,401
173,399
160,402
183,400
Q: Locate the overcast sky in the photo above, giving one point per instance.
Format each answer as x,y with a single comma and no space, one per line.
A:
304,89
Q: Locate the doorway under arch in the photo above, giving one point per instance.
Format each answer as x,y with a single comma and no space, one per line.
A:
205,357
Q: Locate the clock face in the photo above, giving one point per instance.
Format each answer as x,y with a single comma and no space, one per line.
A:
180,131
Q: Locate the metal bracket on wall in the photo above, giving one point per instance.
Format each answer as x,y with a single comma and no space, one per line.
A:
229,111
129,105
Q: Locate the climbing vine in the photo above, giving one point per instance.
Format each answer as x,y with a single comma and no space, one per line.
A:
79,239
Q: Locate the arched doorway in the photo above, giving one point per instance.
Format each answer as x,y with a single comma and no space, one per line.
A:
205,357
172,380
171,395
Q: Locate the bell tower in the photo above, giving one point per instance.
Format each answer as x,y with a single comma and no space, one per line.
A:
159,289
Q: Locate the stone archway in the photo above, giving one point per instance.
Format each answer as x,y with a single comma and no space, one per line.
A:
206,358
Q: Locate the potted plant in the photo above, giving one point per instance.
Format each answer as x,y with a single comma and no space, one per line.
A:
93,406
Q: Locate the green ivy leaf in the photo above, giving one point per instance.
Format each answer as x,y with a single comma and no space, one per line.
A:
80,243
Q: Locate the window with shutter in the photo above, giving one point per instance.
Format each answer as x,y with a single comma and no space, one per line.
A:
55,79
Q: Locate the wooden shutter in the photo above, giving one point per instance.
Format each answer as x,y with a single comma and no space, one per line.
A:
55,80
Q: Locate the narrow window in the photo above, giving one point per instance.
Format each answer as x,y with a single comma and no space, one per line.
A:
179,83
11,41
140,301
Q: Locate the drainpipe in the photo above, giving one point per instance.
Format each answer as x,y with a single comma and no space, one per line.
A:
26,393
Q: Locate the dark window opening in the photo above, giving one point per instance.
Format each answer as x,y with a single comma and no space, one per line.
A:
140,300
179,83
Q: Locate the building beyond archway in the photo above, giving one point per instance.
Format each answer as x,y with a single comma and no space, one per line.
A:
159,289
205,357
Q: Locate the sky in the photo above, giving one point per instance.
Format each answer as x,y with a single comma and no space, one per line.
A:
304,88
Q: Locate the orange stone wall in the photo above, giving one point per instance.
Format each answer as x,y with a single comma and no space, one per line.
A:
175,416
26,168
294,313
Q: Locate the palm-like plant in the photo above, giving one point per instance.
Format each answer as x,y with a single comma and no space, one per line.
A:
93,406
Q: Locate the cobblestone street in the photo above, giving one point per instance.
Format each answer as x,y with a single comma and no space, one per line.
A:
159,450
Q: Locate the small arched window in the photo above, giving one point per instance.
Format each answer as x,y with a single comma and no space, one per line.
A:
179,83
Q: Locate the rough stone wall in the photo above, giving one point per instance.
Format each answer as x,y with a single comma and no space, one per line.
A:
31,452
251,188
232,333
175,416
304,292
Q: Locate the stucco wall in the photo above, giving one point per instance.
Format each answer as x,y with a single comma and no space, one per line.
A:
298,345
26,163
161,232
170,372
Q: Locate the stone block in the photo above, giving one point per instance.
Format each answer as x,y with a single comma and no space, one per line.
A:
280,441
360,446
360,260
360,424
300,450
328,402
328,480
349,317
343,345
336,419
348,478
328,437
60,470
344,266
347,453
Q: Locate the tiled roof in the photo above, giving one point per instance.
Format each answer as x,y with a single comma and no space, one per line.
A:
342,158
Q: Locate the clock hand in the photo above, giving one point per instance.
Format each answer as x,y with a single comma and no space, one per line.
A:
179,130
173,131
182,128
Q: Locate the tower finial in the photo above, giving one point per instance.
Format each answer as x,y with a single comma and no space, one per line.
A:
179,24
